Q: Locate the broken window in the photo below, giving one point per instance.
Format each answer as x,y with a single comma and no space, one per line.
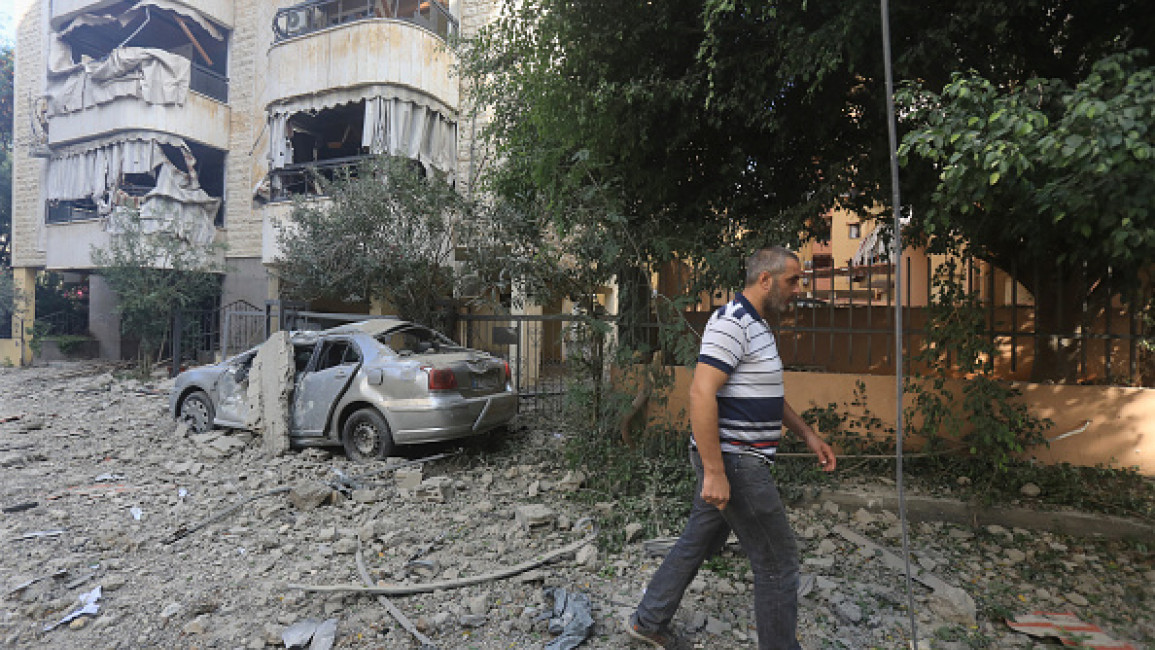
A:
308,17
154,50
337,353
320,137
156,175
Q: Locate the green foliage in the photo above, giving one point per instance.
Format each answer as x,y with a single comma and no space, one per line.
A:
990,424
387,232
154,275
1042,175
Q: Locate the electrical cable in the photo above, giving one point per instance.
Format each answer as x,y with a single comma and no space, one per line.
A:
896,205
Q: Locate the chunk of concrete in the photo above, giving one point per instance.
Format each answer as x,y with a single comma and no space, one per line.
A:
533,515
307,495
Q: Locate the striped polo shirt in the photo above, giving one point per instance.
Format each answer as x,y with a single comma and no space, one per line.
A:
738,342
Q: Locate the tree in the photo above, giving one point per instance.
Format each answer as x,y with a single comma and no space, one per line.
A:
387,232
712,127
1045,176
155,274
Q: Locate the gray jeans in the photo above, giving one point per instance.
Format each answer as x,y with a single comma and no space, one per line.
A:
756,515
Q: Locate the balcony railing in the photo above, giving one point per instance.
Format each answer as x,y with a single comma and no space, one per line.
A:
210,84
316,15
304,178
69,211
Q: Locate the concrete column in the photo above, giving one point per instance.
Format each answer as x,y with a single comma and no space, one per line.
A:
273,295
24,282
103,317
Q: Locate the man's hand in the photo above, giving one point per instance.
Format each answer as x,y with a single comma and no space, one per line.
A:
716,490
825,454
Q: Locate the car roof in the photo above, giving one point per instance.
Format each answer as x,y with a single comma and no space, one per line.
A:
372,327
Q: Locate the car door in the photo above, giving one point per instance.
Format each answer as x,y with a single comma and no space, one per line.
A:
322,384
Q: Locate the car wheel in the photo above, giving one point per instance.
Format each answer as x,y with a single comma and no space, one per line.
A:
197,412
366,436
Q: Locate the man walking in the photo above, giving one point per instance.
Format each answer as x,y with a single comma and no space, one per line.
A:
737,411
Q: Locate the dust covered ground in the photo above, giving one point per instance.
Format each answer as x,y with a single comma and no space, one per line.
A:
98,483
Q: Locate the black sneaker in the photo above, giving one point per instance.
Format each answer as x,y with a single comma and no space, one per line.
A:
659,639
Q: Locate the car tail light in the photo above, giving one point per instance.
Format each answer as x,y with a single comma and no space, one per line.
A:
508,376
441,379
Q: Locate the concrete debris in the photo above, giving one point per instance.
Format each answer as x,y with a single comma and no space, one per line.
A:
307,495
408,478
269,391
229,582
530,516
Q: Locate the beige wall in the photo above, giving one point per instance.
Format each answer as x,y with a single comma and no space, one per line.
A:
1114,427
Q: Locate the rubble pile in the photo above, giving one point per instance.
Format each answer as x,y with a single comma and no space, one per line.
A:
121,530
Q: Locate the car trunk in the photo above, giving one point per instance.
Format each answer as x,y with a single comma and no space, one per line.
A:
477,375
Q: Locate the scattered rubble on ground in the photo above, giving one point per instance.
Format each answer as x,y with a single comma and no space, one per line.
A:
124,531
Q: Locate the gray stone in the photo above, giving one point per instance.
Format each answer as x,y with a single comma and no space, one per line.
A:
954,605
1030,490
472,620
198,625
1015,555
307,495
848,611
438,489
716,626
530,516
633,531
478,605
587,556
571,482
408,478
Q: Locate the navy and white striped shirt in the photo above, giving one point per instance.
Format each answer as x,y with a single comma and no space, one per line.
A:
751,402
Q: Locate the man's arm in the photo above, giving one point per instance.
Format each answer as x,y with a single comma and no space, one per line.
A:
704,423
795,423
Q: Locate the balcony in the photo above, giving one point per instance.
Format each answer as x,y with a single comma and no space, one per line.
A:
219,11
309,17
360,52
200,119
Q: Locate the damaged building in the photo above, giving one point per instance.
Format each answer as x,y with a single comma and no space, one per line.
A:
206,118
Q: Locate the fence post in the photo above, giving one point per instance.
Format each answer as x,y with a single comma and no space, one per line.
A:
177,326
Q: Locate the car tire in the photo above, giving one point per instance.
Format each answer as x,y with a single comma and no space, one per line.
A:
366,436
197,412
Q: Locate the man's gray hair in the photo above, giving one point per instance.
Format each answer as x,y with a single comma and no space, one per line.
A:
770,260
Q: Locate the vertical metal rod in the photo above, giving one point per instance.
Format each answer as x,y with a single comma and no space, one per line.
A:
990,269
850,315
896,205
869,317
1084,324
1108,341
177,326
1014,315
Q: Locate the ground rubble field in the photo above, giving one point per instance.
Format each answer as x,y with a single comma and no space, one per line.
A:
98,482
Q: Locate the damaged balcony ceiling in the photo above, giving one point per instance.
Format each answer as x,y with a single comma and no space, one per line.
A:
96,34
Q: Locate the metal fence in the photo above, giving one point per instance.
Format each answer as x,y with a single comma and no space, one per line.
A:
308,17
852,329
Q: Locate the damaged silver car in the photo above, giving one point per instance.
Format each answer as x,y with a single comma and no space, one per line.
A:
367,386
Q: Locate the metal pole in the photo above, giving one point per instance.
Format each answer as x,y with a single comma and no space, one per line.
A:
896,199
